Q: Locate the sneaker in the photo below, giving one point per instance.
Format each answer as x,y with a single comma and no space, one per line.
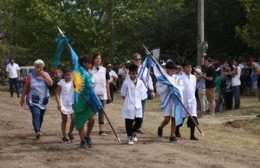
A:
37,135
89,141
159,132
134,137
130,141
102,133
173,139
83,144
140,131
194,138
71,137
65,139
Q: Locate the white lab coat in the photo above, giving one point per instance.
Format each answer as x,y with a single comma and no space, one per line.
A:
189,99
99,82
133,94
163,89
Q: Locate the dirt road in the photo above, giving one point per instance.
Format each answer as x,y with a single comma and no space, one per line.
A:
218,149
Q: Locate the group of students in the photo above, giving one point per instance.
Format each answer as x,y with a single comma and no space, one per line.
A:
133,91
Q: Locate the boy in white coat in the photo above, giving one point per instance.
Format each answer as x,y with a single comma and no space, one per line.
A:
168,111
189,100
133,92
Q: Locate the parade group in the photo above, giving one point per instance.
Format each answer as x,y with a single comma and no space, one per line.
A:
204,90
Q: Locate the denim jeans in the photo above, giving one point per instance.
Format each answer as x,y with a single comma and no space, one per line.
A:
236,94
13,82
37,117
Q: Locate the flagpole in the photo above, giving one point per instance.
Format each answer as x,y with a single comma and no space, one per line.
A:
102,109
149,54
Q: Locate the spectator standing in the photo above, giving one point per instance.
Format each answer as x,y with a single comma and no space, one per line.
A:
112,80
13,73
201,92
236,83
210,85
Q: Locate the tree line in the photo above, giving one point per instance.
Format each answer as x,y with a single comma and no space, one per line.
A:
119,28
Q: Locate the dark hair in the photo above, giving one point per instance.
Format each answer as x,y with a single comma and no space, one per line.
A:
208,59
68,70
84,59
133,68
186,63
170,65
10,59
94,56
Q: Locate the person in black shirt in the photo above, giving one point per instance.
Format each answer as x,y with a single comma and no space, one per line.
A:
210,85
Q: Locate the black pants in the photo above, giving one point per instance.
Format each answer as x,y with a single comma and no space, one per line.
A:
228,100
131,125
13,82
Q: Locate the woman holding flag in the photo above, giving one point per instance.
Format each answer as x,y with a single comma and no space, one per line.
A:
147,79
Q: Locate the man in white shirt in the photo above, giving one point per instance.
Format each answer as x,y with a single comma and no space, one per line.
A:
13,73
112,80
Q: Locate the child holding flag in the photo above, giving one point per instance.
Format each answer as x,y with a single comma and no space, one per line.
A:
65,99
168,111
133,92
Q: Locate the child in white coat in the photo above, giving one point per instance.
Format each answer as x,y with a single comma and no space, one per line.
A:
168,111
65,99
133,92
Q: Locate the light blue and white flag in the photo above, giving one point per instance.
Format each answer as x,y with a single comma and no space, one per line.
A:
174,93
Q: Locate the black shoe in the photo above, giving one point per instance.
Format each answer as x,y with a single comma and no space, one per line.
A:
159,132
178,135
102,133
71,137
194,138
65,139
173,139
84,144
89,141
140,131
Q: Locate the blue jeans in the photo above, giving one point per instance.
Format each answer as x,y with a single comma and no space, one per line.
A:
37,117
236,94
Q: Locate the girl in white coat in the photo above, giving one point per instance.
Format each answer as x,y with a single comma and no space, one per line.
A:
132,91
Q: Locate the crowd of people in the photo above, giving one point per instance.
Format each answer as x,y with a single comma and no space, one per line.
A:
204,90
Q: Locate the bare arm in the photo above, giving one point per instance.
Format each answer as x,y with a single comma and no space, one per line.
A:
57,96
24,93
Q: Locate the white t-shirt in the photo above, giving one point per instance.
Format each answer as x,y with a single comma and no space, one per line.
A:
236,79
66,96
113,76
12,70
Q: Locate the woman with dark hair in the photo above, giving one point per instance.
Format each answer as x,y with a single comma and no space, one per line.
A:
100,81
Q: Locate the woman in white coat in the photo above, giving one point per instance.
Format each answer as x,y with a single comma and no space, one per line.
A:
100,80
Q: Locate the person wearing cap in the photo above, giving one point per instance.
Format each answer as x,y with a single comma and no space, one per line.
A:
201,91
189,100
112,80
13,73
36,91
167,111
